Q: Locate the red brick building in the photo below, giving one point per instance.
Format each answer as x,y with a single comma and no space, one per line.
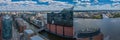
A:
0,28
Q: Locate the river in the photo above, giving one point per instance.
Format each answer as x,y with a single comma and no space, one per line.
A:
109,26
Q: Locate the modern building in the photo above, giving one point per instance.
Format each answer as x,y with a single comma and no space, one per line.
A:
7,27
64,25
61,23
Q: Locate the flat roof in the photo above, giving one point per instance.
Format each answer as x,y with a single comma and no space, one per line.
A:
28,31
36,37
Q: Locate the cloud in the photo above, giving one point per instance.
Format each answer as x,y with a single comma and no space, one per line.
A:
115,0
58,3
98,7
75,0
45,0
53,5
11,7
24,2
85,0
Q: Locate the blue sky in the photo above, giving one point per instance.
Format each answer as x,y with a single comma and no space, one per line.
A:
60,4
71,1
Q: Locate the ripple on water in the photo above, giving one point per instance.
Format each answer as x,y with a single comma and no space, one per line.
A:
110,26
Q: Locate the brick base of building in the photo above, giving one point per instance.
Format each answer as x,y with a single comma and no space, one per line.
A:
97,37
60,30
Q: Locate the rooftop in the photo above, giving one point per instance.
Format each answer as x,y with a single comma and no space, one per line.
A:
36,38
29,31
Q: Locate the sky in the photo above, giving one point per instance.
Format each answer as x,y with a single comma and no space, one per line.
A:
69,1
73,2
60,4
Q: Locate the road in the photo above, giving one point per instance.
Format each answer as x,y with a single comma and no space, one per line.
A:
15,33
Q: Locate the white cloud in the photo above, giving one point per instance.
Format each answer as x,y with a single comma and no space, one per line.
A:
75,0
24,2
11,7
98,7
85,0
57,7
58,3
54,5
45,0
115,0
